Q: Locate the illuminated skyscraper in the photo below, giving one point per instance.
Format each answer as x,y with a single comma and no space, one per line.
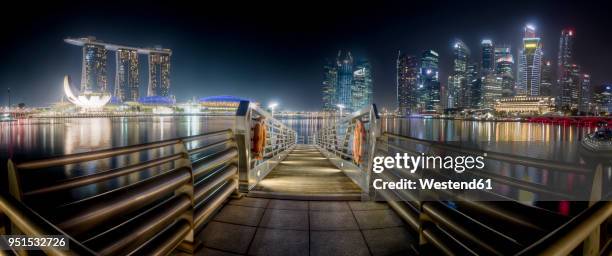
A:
126,75
344,90
570,87
585,103
504,63
93,76
546,84
530,64
330,83
429,83
491,90
457,82
347,84
361,96
159,74
566,49
407,76
488,56
475,86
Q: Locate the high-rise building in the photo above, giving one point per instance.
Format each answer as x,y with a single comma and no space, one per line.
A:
407,76
93,76
475,86
347,84
159,74
362,86
492,90
530,64
504,63
330,83
566,49
126,75
570,87
546,84
603,99
457,82
345,80
585,98
488,56
429,83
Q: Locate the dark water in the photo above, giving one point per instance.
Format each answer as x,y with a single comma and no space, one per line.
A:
36,138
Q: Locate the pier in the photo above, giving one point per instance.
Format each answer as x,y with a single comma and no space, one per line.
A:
208,195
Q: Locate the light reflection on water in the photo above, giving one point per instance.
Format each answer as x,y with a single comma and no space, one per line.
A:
36,138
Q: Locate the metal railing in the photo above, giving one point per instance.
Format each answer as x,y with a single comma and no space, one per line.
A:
280,140
335,141
458,224
455,224
184,184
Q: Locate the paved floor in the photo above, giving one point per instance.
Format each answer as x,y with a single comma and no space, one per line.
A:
305,171
258,226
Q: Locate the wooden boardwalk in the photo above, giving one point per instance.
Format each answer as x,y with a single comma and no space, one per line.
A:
307,174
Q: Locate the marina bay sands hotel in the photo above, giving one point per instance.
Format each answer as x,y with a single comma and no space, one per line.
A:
94,78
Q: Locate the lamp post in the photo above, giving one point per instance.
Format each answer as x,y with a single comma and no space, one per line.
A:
341,107
272,106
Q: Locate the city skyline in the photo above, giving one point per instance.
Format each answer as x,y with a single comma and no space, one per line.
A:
217,62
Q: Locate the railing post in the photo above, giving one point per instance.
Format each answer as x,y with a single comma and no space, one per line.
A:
189,242
242,136
372,137
590,245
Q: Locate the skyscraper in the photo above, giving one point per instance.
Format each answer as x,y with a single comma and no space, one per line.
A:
491,90
344,90
126,75
585,94
457,82
330,82
346,83
504,63
566,49
570,87
93,76
159,74
546,84
475,86
488,56
429,83
530,63
362,86
407,75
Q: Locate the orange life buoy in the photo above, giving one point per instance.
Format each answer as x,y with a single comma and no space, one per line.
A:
358,138
259,140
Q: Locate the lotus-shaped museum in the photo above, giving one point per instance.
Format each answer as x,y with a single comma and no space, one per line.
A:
88,100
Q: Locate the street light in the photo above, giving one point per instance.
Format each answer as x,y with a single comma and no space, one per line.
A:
272,106
341,107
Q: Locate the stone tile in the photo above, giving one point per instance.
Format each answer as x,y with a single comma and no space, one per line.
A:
337,243
242,215
227,237
279,242
322,220
211,252
367,206
250,201
288,205
328,206
377,219
389,241
285,219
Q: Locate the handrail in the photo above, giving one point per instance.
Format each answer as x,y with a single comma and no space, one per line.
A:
105,153
515,159
33,224
141,213
563,240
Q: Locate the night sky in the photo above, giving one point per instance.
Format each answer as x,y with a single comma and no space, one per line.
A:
271,52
